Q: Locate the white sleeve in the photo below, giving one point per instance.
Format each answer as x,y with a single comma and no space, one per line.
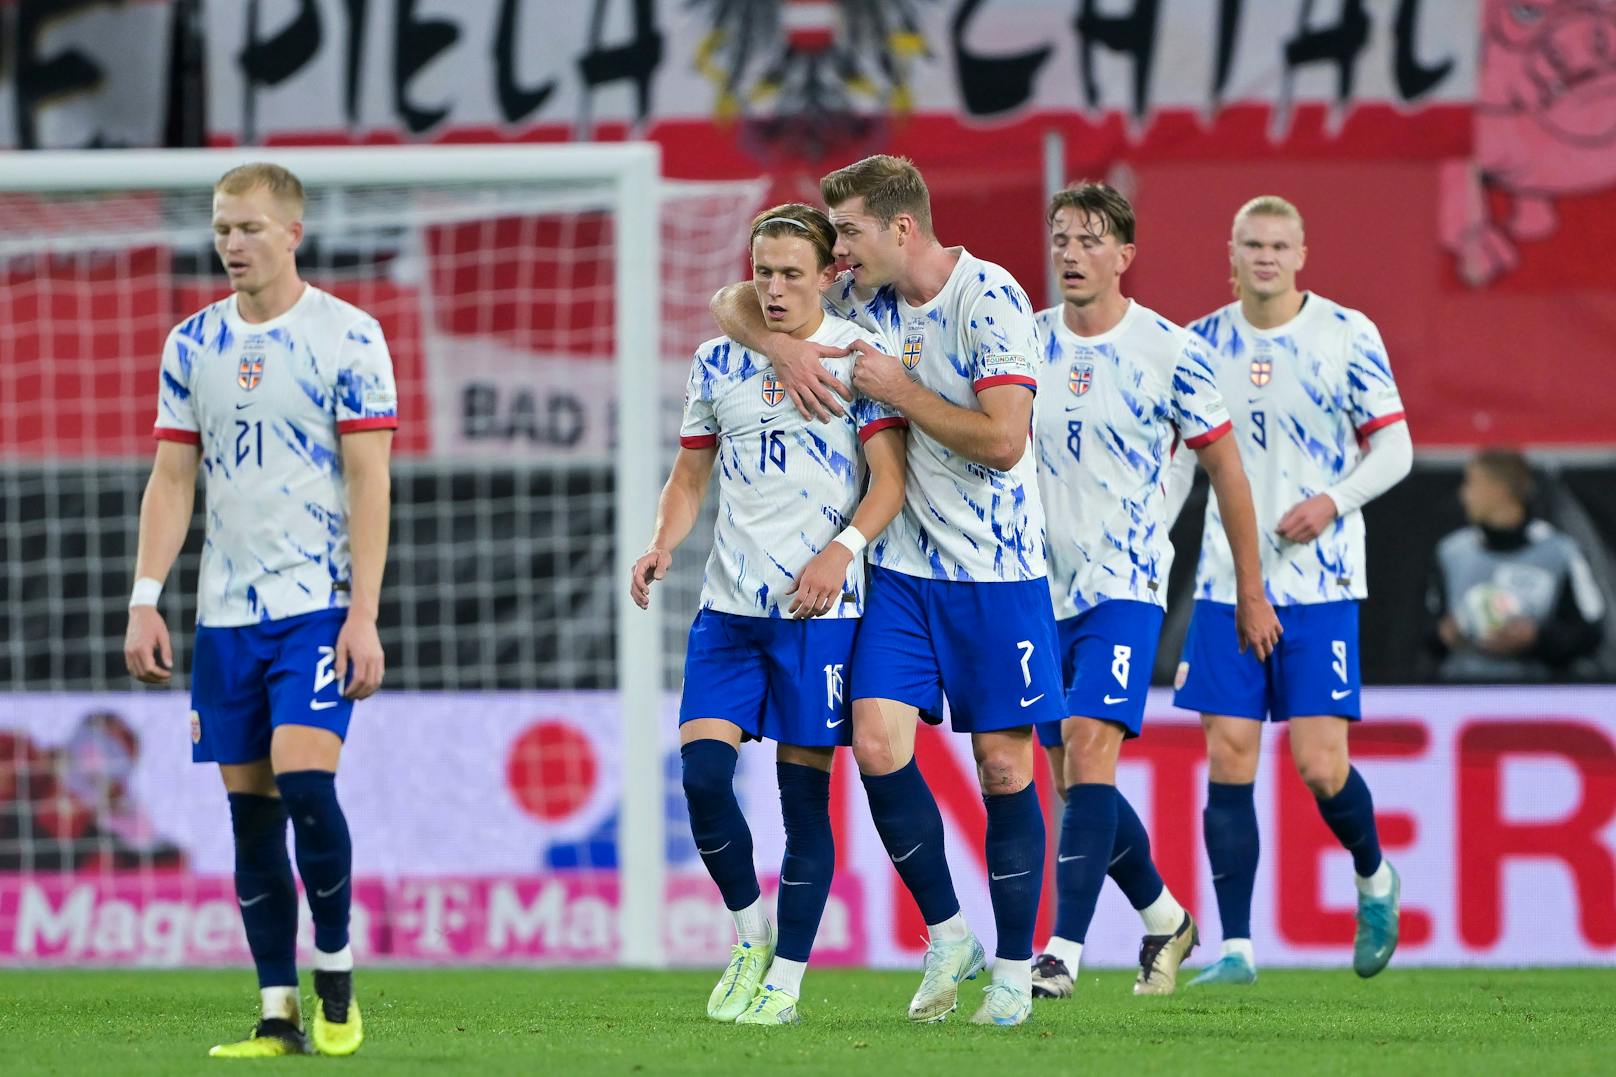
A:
1386,462
1180,481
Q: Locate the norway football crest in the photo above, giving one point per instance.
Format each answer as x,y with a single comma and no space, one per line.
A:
1082,376
1262,371
914,342
251,370
773,393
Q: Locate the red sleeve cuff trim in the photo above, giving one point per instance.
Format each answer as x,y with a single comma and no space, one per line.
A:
1201,441
881,424
1375,424
1006,379
699,441
174,433
379,422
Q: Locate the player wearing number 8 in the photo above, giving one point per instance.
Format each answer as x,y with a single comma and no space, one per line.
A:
1320,427
1120,387
770,648
284,395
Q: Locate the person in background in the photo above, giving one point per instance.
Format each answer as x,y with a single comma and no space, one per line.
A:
1511,597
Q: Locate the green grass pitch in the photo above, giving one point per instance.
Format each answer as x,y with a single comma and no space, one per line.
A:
577,1022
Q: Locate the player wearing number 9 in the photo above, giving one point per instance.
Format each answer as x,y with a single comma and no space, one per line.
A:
284,394
769,652
1320,428
1120,387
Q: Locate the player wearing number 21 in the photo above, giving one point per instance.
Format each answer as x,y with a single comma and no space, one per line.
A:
1321,432
284,396
770,650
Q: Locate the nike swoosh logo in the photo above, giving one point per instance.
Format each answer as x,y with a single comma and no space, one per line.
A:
792,882
1066,859
247,903
1111,701
832,725
1034,699
1342,694
906,856
248,404
769,419
333,890
710,852
316,705
1012,875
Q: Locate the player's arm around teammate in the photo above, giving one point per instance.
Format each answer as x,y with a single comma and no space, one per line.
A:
814,390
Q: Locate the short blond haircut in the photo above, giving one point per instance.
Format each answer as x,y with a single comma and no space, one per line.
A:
889,186
1270,205
795,220
286,188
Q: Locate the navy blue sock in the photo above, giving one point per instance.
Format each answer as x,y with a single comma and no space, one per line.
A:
325,856
1015,855
723,839
1229,824
324,853
1088,834
911,828
1132,868
265,888
810,859
1351,815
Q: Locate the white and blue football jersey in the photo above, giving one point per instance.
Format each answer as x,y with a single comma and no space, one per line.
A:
1111,411
786,485
961,520
1302,397
268,403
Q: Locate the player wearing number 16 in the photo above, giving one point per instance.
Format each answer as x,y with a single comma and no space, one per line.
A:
770,648
284,395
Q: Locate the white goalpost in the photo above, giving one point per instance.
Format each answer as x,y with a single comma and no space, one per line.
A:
541,303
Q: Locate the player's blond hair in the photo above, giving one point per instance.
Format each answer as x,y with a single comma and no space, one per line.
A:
1269,205
1096,201
889,186
1264,205
285,187
795,219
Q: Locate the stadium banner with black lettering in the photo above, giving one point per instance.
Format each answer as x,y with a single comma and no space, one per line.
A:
1452,158
77,74
483,831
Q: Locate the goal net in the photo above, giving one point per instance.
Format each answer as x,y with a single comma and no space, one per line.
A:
540,305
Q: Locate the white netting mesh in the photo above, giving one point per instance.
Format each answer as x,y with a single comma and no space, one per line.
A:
498,301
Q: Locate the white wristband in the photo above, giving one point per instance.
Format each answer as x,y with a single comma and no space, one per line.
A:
145,592
853,539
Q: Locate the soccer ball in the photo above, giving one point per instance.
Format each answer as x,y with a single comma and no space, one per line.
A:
1485,609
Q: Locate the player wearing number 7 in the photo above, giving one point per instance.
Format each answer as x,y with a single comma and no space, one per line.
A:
284,395
1119,388
770,648
1321,431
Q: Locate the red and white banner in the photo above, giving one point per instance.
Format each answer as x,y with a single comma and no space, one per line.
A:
482,829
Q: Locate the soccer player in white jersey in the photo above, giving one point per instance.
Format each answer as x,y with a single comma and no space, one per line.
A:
1320,427
1119,388
770,649
284,395
959,607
